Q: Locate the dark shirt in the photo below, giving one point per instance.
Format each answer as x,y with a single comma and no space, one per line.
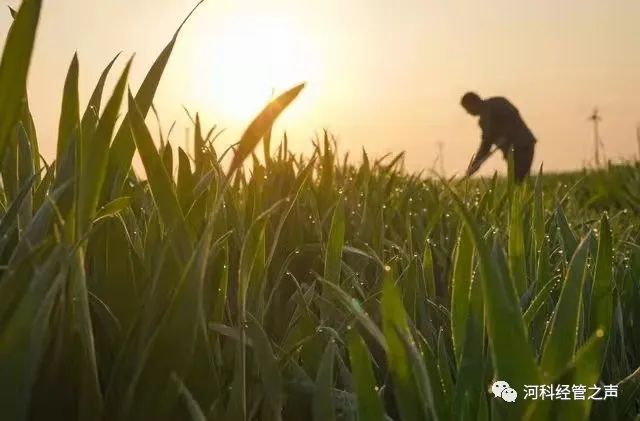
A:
502,126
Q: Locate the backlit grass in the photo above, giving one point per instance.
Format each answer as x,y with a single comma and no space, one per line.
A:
301,288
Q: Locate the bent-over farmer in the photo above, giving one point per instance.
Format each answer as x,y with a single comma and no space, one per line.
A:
502,126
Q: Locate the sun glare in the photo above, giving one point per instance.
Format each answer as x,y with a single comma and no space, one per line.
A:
246,60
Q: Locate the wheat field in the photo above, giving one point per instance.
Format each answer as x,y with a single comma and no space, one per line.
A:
246,284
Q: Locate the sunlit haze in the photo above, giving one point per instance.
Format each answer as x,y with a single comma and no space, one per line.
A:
386,76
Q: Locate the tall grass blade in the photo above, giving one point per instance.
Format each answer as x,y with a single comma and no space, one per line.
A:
14,67
90,399
369,403
24,337
563,333
394,321
93,159
92,112
511,355
517,258
601,300
260,125
270,376
70,114
123,147
323,405
335,242
161,185
461,287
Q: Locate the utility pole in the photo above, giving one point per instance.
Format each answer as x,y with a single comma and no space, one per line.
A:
441,157
595,118
638,139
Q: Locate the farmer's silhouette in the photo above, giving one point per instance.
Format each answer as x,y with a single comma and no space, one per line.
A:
502,126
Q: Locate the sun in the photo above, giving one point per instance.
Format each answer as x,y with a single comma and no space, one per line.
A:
247,60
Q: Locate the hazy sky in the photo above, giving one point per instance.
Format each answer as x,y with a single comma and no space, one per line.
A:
386,76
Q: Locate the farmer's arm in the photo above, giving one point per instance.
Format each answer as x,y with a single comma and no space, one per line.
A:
488,136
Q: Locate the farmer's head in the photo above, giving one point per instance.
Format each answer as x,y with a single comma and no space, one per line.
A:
472,103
